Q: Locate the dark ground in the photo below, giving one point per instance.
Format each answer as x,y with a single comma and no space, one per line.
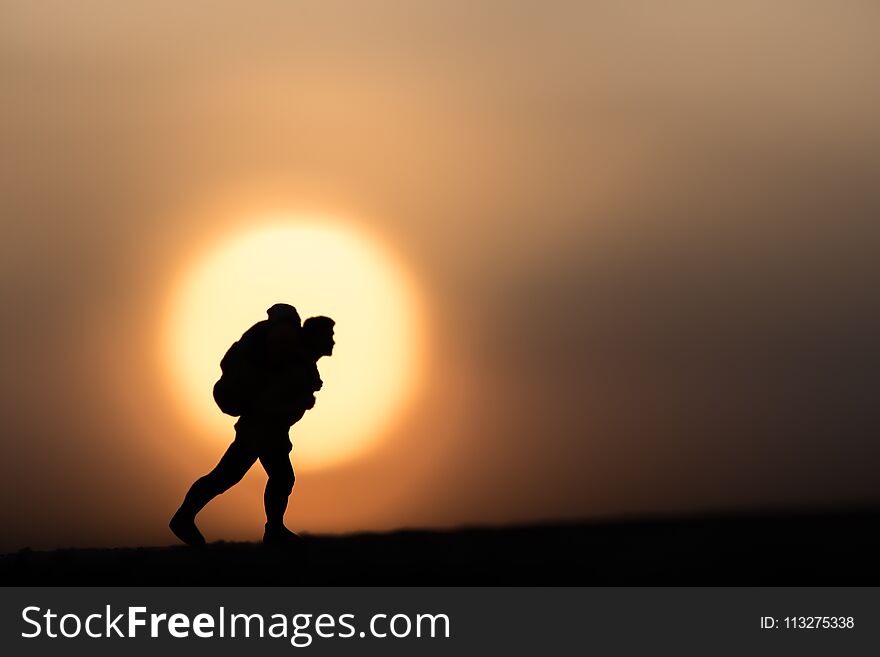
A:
768,549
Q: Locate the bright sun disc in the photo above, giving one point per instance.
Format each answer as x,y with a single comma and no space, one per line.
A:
320,268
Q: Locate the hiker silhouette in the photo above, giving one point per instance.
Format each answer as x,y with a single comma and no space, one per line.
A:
270,377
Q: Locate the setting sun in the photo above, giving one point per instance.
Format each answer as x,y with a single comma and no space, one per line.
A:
322,268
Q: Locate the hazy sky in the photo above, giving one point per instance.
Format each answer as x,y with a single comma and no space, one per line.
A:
646,235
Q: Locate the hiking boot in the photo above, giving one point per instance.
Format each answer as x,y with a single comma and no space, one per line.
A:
280,536
184,527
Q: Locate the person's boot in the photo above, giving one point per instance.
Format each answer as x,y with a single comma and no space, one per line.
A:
183,524
280,536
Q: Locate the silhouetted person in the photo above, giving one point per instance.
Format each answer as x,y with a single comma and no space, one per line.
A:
278,360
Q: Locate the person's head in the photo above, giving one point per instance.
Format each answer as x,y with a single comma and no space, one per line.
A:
318,335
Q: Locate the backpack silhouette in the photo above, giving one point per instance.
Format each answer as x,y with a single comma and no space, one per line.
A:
231,389
242,367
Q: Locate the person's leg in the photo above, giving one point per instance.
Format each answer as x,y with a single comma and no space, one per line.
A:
276,462
233,465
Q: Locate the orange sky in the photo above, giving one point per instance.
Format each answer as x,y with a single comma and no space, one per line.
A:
643,234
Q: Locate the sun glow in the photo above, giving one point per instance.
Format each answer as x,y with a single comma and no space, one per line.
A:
322,268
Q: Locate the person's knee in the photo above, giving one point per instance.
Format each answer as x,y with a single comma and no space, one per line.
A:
288,480
283,481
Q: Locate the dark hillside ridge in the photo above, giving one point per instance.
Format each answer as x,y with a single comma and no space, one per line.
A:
839,548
